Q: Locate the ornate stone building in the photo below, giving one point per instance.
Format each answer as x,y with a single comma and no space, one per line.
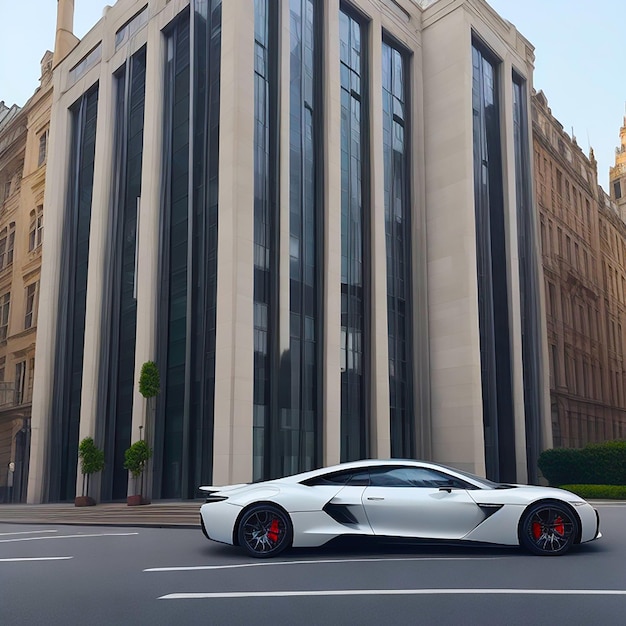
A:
24,145
23,155
583,243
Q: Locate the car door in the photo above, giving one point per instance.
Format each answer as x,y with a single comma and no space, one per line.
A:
344,492
412,501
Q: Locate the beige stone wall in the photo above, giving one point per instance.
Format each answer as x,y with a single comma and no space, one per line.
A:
448,28
448,402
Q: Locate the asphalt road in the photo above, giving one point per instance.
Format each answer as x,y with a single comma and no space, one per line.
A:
111,575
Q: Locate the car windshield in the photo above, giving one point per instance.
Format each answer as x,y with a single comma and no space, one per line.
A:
482,481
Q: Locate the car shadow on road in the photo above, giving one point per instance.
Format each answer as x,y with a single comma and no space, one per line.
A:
358,548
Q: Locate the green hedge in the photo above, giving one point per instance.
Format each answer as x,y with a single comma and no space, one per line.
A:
595,464
598,492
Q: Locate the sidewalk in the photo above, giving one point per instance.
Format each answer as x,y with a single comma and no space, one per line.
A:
159,514
177,514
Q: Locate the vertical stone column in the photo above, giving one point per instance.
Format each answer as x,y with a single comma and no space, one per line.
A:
148,222
65,39
234,376
54,208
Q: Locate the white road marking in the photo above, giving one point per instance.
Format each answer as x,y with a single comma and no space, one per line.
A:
192,568
393,592
29,532
68,537
38,558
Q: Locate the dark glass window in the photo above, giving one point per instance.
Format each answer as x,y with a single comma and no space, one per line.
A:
491,256
266,234
184,427
398,241
354,478
119,366
176,226
529,279
72,300
296,434
617,189
354,349
413,477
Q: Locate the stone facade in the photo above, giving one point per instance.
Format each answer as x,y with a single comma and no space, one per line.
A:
582,239
187,242
23,157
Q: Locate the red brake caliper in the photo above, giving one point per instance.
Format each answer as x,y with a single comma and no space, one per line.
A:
559,526
536,530
273,531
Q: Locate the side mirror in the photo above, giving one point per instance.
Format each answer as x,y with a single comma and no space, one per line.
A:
446,485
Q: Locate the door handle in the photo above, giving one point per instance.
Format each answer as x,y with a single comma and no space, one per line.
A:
374,498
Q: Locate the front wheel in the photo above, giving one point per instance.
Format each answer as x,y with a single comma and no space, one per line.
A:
265,531
548,529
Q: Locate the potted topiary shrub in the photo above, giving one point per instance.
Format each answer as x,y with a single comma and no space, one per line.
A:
91,462
135,459
149,388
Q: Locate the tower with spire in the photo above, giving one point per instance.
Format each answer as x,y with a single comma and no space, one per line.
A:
617,173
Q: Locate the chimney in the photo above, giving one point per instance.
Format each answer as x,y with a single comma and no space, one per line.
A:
65,39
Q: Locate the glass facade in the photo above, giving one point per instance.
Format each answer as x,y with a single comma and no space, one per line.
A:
202,279
121,322
63,443
529,281
354,228
296,434
184,425
266,221
495,351
169,429
398,246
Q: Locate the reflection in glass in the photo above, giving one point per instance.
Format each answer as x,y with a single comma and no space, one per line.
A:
397,236
354,422
73,301
130,82
498,419
297,430
529,279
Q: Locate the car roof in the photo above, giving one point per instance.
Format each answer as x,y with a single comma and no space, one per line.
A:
366,463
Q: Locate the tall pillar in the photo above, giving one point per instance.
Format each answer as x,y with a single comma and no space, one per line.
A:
65,39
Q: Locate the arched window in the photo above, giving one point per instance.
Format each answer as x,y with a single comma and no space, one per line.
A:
3,248
35,230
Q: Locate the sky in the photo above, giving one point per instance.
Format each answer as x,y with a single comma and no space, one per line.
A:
579,59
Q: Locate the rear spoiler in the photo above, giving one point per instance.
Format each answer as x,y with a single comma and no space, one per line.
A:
209,489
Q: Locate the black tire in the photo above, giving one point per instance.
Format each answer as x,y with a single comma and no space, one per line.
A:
264,531
548,529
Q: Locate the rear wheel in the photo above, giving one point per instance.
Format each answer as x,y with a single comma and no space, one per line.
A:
265,531
548,529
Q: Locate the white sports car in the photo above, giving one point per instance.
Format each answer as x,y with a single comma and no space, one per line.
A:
394,498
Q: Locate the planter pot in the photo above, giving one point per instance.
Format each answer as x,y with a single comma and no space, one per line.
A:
134,500
84,501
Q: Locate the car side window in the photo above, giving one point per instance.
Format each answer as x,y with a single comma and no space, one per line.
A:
413,477
347,477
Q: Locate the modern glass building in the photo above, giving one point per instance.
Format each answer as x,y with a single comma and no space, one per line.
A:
316,218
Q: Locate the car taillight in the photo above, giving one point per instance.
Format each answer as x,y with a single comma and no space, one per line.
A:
215,498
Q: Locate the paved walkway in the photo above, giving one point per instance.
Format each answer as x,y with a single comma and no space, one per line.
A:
160,514
181,514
